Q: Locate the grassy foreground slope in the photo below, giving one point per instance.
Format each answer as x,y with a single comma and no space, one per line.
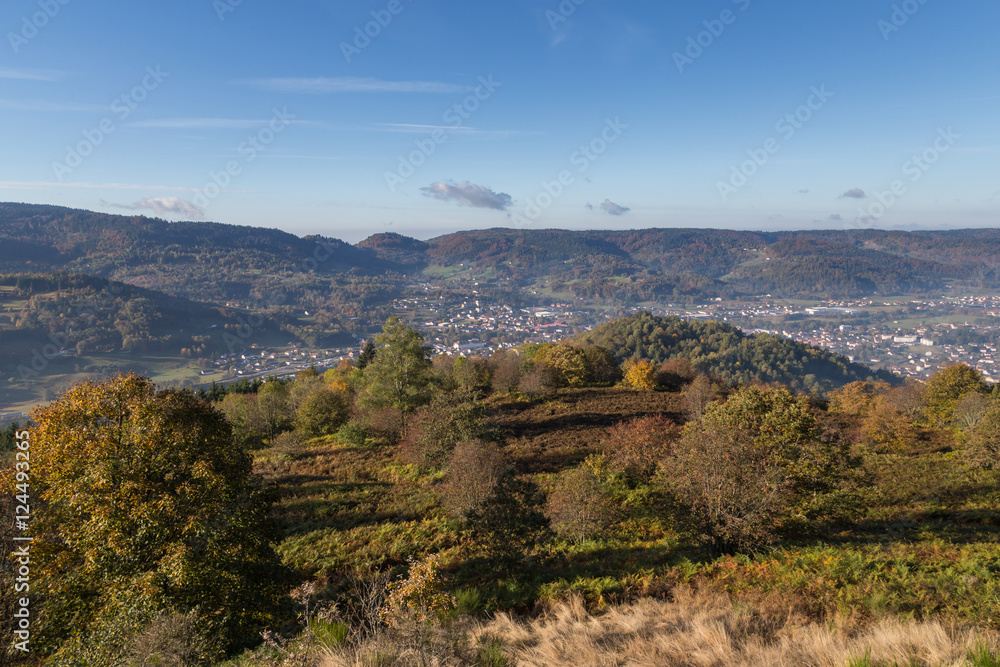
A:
916,543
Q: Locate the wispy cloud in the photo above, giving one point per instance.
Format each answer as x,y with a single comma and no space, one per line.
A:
42,105
327,85
164,206
42,185
300,157
854,193
469,194
22,74
412,128
208,123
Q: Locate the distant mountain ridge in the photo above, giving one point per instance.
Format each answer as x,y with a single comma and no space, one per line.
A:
228,261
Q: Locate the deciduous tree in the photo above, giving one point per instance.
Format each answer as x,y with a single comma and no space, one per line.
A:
944,389
144,505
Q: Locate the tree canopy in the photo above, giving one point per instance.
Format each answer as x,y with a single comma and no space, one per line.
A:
146,505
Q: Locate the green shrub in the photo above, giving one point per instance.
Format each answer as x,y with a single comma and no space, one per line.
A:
289,445
747,465
330,634
322,412
578,507
435,430
354,434
492,654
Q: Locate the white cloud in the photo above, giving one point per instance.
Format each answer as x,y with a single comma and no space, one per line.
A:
612,208
469,194
412,128
207,123
164,205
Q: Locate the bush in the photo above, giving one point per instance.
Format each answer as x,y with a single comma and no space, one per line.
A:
568,364
885,429
536,380
172,640
742,469
983,447
471,376
386,423
354,434
289,445
508,524
635,447
857,398
909,400
946,387
474,468
675,373
506,367
435,430
970,409
578,507
697,396
322,412
601,365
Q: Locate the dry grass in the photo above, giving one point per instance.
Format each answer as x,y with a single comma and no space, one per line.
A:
695,630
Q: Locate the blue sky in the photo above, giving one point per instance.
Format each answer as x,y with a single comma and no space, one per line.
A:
585,114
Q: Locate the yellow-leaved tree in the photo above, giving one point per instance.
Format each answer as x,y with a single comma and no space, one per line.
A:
639,375
145,506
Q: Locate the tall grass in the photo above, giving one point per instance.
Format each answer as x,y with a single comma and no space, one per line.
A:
695,629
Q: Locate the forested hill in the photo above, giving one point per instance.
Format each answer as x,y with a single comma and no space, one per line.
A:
202,260
848,263
720,349
218,262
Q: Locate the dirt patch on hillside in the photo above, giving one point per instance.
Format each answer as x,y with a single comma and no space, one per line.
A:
557,433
